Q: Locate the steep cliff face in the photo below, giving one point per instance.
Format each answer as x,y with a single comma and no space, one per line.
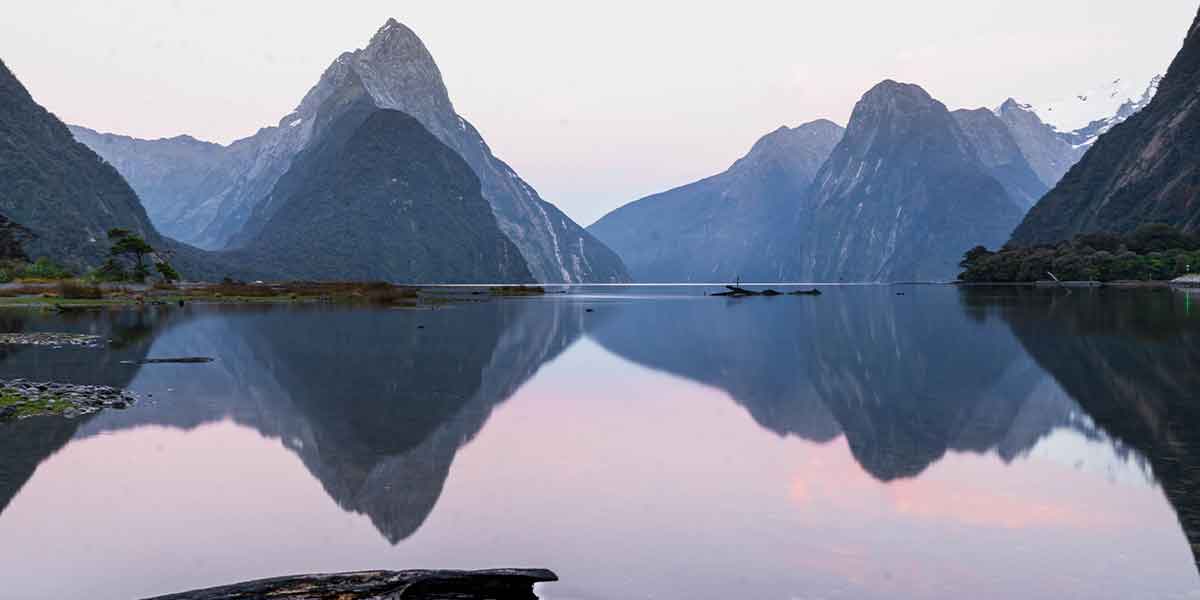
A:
375,196
903,194
1145,170
398,73
745,222
997,149
57,188
58,199
1048,152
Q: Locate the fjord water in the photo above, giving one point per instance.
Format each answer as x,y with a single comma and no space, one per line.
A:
642,442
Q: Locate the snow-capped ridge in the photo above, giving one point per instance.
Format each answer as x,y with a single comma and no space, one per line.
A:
1121,98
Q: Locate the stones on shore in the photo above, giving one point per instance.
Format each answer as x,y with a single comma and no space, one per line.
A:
20,399
501,584
52,340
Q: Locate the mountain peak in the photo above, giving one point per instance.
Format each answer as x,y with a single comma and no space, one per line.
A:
1012,104
893,99
889,88
395,40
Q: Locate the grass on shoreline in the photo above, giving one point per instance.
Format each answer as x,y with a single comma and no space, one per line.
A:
79,294
31,407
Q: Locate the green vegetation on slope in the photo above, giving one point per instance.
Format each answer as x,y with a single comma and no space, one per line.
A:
1151,253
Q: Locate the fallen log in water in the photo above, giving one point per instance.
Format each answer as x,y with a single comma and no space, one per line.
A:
741,292
501,584
186,360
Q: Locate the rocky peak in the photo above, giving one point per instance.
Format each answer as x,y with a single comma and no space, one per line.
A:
893,99
398,72
799,151
395,43
895,119
1012,105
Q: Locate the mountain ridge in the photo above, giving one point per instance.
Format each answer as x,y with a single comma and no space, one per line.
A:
1142,171
399,73
738,223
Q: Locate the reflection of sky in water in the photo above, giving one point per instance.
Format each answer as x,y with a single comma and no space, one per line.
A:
630,482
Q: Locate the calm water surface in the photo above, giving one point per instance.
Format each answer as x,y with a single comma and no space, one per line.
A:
941,444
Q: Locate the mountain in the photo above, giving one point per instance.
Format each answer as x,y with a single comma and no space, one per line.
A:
168,174
903,194
399,74
1086,115
1048,152
997,148
740,223
1144,170
1053,136
55,187
58,199
375,196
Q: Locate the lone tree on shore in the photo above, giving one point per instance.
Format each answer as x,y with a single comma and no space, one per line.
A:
134,249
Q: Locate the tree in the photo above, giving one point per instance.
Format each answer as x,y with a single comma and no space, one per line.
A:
135,249
167,271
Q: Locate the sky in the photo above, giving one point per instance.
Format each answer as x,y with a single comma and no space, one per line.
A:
594,104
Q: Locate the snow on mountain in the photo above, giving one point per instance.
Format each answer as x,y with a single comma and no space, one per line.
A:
1100,103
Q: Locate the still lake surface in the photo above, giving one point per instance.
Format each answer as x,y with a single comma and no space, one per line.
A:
941,444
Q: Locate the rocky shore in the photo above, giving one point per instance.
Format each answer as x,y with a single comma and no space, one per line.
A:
53,340
502,584
20,399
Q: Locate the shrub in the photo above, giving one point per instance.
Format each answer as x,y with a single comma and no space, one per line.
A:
44,268
73,290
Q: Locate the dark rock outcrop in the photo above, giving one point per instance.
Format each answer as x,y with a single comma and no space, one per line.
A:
13,237
1145,170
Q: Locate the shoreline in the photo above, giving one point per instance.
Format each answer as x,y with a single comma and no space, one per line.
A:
67,296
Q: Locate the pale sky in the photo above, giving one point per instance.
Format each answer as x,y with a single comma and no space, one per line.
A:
595,104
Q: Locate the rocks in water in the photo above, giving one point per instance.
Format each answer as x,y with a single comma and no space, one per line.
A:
54,340
502,584
20,399
741,292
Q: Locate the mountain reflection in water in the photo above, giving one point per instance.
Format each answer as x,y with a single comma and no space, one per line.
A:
378,404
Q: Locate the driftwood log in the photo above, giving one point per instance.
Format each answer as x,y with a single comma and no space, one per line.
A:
502,584
741,292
